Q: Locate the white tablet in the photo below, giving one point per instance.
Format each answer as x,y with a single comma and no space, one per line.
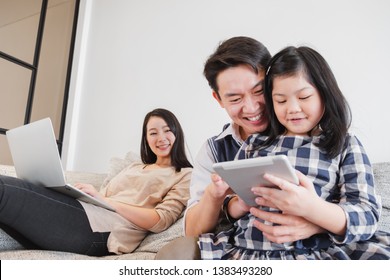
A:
242,175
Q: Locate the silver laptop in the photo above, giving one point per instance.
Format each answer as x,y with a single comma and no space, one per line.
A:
36,159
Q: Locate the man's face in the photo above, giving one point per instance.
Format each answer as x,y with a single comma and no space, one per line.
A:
241,93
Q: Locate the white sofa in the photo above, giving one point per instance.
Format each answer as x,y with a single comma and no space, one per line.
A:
10,249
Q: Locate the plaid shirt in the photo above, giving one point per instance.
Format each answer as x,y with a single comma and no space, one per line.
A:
346,180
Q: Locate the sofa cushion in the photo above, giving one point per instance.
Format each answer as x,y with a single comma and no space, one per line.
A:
382,186
8,243
155,241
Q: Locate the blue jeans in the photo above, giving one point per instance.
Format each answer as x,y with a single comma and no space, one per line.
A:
48,219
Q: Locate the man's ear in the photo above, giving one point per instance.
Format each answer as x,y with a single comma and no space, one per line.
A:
217,97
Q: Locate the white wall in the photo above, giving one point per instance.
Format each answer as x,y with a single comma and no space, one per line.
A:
135,55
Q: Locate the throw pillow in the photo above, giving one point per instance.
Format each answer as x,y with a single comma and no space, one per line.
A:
118,164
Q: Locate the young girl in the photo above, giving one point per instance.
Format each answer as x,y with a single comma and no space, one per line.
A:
148,196
309,121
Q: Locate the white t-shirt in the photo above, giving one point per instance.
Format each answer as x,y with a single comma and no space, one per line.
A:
203,166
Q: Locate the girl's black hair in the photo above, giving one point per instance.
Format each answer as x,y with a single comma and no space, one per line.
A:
337,116
178,155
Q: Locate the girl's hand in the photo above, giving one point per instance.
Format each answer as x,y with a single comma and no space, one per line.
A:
286,228
242,205
291,199
237,208
303,202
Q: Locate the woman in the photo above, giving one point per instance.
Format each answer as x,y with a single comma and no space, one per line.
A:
147,197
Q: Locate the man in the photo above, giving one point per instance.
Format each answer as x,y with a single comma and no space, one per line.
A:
235,73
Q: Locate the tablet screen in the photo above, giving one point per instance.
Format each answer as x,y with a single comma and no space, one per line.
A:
242,175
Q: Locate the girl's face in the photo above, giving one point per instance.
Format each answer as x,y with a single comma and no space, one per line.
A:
160,138
297,104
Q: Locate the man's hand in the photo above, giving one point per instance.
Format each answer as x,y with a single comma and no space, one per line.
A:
203,217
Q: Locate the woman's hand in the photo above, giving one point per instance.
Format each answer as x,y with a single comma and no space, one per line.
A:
88,189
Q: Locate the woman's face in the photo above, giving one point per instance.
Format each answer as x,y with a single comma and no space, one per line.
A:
297,104
160,138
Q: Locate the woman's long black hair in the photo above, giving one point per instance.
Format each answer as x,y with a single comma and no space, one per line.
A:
337,114
178,154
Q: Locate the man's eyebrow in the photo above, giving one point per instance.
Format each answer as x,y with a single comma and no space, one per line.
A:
261,82
230,94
